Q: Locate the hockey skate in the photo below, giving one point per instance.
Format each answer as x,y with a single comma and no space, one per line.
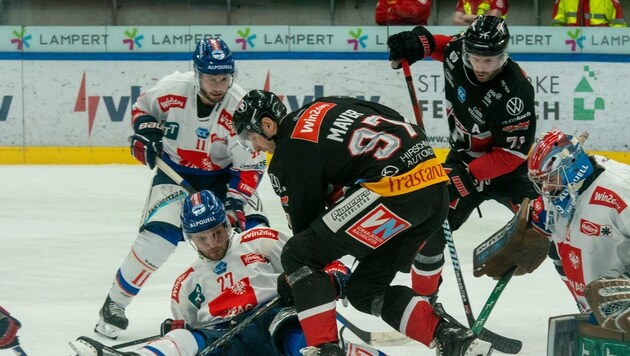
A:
454,339
112,320
84,346
329,349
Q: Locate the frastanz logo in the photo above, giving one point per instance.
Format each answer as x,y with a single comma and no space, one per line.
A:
246,38
357,39
133,39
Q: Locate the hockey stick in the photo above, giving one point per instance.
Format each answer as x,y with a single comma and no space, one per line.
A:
136,342
491,302
386,338
238,328
19,350
500,343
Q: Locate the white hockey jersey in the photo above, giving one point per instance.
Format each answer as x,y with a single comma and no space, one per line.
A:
212,292
200,146
595,242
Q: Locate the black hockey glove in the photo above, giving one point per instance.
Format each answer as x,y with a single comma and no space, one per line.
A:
146,142
410,45
462,183
234,211
284,291
8,330
339,275
169,325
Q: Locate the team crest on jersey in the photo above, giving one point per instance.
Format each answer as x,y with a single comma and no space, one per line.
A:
196,296
310,121
254,234
170,101
238,298
220,268
590,228
573,268
608,198
377,227
178,284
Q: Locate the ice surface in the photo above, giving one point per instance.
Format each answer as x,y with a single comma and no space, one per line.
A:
64,230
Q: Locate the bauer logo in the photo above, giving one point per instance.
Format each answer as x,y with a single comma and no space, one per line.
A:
608,198
377,227
310,122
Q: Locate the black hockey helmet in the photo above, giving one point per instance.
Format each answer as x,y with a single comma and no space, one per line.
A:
253,107
487,36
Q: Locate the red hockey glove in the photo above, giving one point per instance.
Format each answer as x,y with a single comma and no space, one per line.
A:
146,142
8,330
170,325
234,212
339,275
410,45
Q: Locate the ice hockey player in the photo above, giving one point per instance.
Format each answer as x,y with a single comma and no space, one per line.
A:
9,327
235,274
186,119
491,117
396,199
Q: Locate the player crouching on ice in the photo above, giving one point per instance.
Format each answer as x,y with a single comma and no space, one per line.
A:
235,274
583,209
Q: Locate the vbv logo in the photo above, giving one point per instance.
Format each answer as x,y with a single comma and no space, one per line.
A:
116,111
377,226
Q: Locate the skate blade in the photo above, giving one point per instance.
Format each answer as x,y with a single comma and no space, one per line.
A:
479,348
107,330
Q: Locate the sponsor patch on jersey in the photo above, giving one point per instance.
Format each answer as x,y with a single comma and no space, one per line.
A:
377,227
514,106
461,94
225,120
254,234
177,286
196,296
202,132
310,122
517,127
169,101
608,198
233,300
250,258
571,258
340,214
220,268
590,228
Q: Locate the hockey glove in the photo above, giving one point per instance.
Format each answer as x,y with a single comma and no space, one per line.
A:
462,183
284,291
520,245
234,212
8,330
169,325
410,45
146,142
339,275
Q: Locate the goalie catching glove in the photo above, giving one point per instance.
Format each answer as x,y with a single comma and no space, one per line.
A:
609,299
516,244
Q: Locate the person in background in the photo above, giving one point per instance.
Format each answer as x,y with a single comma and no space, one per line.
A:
186,120
603,13
403,12
466,11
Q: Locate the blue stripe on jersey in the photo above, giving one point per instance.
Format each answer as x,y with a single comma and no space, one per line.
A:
126,286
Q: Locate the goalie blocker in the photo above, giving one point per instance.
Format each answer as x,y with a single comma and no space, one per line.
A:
571,335
515,244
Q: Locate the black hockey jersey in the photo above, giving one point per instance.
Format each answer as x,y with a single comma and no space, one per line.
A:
341,142
492,125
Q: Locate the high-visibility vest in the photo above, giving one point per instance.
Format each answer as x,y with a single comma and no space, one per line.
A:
477,7
588,13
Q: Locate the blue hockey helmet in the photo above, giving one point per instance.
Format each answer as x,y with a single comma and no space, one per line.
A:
201,211
558,165
212,56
